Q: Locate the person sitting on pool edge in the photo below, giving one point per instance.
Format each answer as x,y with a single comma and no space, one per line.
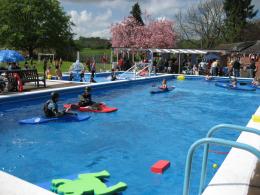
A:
233,82
164,85
51,107
208,77
113,75
92,80
86,100
256,81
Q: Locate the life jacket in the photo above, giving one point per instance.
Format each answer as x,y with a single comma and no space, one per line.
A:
48,112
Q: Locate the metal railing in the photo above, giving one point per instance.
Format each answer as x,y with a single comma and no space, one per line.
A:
135,70
208,140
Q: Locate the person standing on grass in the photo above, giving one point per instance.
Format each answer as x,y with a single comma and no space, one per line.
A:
236,68
93,68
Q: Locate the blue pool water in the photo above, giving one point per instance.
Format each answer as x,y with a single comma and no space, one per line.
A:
101,77
145,129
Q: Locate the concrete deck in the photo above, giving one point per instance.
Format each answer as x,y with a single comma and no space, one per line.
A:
11,185
50,84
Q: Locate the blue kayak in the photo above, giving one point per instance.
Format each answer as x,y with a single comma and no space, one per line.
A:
65,118
238,87
159,90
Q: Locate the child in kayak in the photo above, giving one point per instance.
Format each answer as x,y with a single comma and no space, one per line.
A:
51,107
86,100
164,85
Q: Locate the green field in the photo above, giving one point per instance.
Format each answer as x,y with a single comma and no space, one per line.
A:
93,52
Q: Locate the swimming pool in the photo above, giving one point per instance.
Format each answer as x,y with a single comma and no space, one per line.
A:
146,128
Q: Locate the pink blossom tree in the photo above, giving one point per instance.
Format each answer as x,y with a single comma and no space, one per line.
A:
155,34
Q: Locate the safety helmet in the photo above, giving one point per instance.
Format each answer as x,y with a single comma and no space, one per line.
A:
54,95
88,89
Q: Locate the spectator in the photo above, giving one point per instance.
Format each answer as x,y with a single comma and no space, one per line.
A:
88,65
45,65
71,76
225,70
236,68
214,67
3,81
251,69
113,75
120,63
59,74
82,76
26,65
93,69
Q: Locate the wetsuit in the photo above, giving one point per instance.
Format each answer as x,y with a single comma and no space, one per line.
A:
113,76
50,108
85,100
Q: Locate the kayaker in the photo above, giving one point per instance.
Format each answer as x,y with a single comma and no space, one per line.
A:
86,100
164,85
51,107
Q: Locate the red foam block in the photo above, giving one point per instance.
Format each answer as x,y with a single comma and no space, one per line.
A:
160,166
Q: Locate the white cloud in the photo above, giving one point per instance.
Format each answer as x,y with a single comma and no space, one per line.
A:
169,8
97,23
89,25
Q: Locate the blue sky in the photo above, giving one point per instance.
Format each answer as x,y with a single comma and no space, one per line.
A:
94,17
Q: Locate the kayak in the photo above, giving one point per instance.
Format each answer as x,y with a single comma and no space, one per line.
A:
65,118
160,90
238,87
103,108
217,80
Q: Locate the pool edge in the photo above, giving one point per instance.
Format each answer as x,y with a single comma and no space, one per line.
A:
236,171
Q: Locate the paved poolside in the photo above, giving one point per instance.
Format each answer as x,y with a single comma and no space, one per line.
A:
51,84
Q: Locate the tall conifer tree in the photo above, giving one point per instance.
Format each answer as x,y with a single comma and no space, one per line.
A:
237,14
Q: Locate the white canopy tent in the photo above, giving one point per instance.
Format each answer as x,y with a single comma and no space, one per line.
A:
179,51
169,51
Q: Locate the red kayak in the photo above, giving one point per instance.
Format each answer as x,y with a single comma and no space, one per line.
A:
103,108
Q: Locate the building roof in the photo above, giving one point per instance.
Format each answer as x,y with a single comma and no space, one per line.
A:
236,47
255,49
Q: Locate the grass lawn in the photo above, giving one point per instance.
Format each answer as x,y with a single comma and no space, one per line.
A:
92,52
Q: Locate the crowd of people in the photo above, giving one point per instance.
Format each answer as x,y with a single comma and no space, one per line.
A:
48,64
10,84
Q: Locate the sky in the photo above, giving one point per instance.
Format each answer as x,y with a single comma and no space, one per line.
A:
93,18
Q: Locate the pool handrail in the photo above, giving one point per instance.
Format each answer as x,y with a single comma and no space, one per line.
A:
217,141
206,147
128,70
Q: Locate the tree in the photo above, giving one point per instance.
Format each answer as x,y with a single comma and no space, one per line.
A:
137,13
203,22
251,32
155,34
32,24
237,14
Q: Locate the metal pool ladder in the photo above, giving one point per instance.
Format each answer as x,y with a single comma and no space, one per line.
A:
209,140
